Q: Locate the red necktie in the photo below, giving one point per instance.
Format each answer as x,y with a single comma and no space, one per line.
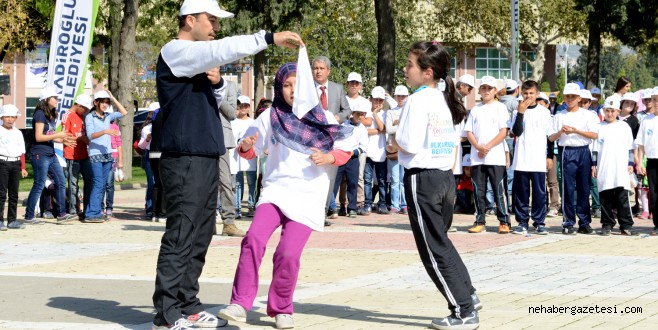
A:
323,97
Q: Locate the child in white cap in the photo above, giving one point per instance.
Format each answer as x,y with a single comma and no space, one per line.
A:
612,170
12,165
647,145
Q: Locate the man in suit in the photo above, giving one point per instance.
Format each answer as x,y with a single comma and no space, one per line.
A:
331,95
226,191
332,98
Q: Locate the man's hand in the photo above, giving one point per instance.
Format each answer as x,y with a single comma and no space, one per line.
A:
549,164
24,173
288,39
214,76
594,172
641,170
523,106
248,142
320,158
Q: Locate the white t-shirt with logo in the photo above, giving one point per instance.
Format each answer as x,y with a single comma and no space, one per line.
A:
426,134
530,149
647,136
360,103
486,121
377,144
11,142
240,126
613,144
581,119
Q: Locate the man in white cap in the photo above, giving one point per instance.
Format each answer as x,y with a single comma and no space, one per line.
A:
465,86
647,146
575,129
12,166
191,142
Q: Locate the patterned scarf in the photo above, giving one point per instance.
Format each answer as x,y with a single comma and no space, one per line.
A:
311,131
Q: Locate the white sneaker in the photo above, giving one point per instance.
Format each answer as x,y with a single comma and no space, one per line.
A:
552,213
218,218
205,320
284,321
233,312
181,324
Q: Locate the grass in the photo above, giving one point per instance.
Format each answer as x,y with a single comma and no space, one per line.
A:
139,176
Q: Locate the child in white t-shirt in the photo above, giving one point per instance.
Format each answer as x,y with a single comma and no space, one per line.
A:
243,166
12,165
486,129
647,145
376,162
532,125
612,170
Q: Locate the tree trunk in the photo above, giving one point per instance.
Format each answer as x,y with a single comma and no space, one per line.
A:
124,85
385,44
116,8
593,53
538,64
259,77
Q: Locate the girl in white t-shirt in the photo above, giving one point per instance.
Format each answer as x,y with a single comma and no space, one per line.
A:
295,185
427,143
12,165
243,166
612,170
486,129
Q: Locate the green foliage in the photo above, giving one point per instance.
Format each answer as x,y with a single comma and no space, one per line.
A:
24,24
545,87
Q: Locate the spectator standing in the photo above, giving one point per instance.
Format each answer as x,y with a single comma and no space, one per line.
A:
12,166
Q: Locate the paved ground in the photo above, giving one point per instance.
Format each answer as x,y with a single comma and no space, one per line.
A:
361,273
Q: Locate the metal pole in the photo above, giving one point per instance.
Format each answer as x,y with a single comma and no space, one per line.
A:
516,63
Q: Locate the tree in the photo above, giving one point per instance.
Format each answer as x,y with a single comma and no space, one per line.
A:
24,25
542,22
385,44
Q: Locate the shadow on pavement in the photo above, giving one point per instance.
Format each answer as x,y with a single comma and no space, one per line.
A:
104,310
143,227
404,226
346,312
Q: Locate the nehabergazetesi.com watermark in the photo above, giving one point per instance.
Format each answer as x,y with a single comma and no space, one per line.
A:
573,310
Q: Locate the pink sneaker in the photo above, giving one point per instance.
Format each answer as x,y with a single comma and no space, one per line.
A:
645,215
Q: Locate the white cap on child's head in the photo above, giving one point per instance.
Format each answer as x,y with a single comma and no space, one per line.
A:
542,96
629,97
85,101
244,99
353,76
646,93
612,102
48,91
466,161
9,110
511,84
468,80
378,93
401,90
571,89
654,91
489,81
585,94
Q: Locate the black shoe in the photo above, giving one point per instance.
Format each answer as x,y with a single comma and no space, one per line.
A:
628,232
342,212
568,231
472,321
383,209
352,214
363,211
328,223
477,304
596,213
332,214
587,230
66,218
605,231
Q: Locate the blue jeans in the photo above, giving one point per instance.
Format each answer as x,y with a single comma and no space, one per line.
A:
239,188
380,170
398,200
150,183
109,189
99,172
41,165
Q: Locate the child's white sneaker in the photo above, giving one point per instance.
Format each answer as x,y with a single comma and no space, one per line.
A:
233,312
284,321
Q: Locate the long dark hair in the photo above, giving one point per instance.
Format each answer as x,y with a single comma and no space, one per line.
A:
43,106
431,55
621,83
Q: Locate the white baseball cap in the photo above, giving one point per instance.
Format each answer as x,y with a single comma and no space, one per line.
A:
595,90
244,99
353,76
211,7
571,89
467,79
85,101
401,90
466,161
361,107
378,93
646,93
629,97
101,95
585,94
154,106
489,81
612,102
542,96
511,85
9,110
654,91
47,92
519,98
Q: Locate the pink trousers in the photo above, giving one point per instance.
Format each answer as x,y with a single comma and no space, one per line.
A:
294,236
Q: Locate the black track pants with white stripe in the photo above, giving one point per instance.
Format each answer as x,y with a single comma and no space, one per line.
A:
430,196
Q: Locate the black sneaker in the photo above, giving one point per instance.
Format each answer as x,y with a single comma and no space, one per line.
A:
477,304
33,221
472,321
605,231
568,231
363,211
352,214
628,232
2,226
15,225
93,220
66,217
342,212
587,230
383,209
596,213
332,214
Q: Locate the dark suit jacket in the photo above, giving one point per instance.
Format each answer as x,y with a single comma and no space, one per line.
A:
337,101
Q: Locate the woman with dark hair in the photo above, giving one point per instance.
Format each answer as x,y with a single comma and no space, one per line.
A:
623,86
43,158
